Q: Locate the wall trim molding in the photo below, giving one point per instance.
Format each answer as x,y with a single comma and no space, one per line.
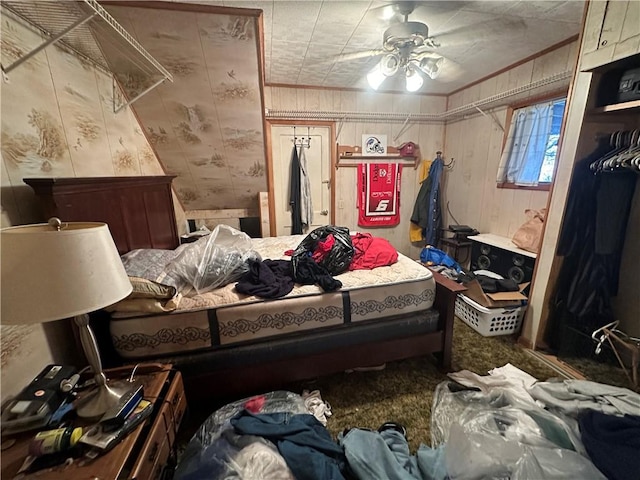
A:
458,113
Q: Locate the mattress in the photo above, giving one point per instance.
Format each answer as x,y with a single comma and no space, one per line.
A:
224,317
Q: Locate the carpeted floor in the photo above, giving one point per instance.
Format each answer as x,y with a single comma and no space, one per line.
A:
402,392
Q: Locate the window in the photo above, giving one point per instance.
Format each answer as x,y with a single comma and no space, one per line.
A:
531,146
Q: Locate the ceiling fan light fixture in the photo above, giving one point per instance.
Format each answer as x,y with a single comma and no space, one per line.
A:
389,64
414,80
375,77
431,66
405,34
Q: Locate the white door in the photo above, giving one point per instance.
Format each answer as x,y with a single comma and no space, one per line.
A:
319,164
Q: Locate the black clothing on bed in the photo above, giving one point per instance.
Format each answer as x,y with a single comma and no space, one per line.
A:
309,273
267,279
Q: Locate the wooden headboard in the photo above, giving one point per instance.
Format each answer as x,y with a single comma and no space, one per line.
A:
138,210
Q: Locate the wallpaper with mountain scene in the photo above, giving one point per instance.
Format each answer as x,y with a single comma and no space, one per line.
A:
206,127
57,120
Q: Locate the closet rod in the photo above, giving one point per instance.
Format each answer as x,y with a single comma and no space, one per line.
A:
454,113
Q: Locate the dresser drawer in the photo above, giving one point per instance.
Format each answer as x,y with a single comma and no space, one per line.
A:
158,446
174,407
154,453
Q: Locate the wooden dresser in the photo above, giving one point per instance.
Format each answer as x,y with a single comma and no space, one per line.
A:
144,454
122,203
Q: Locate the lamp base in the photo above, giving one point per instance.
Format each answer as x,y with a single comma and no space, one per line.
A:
100,401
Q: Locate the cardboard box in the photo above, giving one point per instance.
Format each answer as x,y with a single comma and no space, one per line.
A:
495,300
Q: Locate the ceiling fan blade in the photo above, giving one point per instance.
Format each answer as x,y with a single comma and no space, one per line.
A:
346,57
393,12
487,31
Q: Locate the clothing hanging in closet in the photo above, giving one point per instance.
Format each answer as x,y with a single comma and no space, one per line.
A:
306,206
591,242
295,199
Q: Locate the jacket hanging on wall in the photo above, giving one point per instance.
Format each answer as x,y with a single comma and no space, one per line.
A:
416,234
295,193
427,212
379,194
306,206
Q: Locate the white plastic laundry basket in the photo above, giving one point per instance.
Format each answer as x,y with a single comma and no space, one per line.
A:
489,321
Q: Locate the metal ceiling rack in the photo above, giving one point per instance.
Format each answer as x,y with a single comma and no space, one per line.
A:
444,117
87,29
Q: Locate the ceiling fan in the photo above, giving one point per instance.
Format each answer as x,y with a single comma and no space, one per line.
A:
406,48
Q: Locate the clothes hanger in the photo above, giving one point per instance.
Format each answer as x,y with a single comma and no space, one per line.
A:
596,165
623,160
621,143
617,141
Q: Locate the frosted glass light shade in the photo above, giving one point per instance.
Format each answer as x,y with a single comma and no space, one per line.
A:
375,77
414,81
431,66
49,274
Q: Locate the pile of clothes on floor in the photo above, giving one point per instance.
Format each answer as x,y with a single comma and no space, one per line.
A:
509,425
505,425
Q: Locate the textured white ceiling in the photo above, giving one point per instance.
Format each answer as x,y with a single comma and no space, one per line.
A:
303,38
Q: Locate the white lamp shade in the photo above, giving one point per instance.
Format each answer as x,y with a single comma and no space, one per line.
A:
49,274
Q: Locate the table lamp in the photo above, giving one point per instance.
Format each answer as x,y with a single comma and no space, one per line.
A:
61,270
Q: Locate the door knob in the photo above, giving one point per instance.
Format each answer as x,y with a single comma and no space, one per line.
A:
324,212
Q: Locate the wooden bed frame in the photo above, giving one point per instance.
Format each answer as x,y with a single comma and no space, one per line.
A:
140,214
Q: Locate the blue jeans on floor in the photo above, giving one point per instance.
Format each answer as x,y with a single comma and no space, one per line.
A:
379,456
386,456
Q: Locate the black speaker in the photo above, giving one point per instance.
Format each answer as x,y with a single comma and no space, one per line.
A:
513,265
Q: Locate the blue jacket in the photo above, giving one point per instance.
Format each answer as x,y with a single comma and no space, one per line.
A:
302,440
427,211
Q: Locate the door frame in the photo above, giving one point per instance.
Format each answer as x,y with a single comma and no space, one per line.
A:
332,164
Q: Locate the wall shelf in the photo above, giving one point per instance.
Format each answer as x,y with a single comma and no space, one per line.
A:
618,107
88,30
348,152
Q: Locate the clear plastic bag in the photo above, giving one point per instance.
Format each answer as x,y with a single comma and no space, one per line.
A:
213,261
499,435
214,450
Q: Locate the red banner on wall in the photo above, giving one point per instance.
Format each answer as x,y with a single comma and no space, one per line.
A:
379,194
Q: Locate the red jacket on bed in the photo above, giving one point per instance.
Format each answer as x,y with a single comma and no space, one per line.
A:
371,252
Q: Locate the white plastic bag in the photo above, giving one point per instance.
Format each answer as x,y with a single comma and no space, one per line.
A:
213,261
497,434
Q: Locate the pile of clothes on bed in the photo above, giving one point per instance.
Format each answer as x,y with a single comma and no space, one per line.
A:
161,277
506,425
325,252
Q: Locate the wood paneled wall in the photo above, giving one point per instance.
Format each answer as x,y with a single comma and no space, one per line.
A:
430,137
476,145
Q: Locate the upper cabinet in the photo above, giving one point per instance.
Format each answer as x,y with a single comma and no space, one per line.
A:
610,33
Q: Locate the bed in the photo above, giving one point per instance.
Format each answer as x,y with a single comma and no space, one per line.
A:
245,345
